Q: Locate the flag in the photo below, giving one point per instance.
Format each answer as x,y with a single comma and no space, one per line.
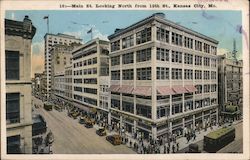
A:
90,31
45,17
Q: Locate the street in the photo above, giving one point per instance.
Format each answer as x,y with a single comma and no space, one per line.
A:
73,138
234,147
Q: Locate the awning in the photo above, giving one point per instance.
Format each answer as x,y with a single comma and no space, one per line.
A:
126,89
162,90
191,88
114,88
142,90
179,89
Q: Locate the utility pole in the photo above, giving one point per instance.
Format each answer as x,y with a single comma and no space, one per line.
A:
234,50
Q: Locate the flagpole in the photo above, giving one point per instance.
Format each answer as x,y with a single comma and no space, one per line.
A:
91,33
48,24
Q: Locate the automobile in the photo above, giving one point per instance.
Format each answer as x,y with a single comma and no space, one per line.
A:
101,131
114,139
193,148
75,114
58,108
82,119
89,123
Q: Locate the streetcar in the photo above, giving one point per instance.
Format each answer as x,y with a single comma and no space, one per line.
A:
216,140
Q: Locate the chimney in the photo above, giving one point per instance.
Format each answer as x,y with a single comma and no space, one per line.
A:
27,24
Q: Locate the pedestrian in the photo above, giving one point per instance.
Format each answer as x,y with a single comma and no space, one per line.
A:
168,149
177,146
173,148
165,149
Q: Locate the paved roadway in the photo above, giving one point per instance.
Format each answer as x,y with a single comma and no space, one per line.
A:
73,138
235,146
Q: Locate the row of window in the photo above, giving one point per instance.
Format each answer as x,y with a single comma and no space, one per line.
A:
206,88
162,35
86,62
86,71
162,111
162,55
162,73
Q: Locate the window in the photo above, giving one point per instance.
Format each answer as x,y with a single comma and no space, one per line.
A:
128,74
206,102
176,73
78,89
115,75
206,48
12,65
176,57
188,105
188,58
206,88
143,55
163,111
213,62
198,60
213,75
12,108
206,61
206,75
90,90
214,50
213,87
144,73
176,108
188,42
143,36
162,73
188,74
143,110
90,101
198,45
176,39
115,46
78,80
198,104
128,106
95,60
128,58
128,41
162,54
199,89
198,74
115,60
162,35
115,103
13,144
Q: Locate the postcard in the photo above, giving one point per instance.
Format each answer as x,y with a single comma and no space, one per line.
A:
124,79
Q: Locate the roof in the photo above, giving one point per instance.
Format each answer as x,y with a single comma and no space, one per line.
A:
63,36
220,132
160,18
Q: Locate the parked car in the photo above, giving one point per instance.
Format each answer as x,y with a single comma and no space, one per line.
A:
114,139
89,123
101,131
193,148
75,114
82,119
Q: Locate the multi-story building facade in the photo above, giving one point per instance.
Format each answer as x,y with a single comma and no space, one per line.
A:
163,78
90,77
50,40
18,39
61,57
230,84
37,89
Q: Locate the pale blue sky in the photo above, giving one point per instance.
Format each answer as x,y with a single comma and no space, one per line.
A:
220,25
